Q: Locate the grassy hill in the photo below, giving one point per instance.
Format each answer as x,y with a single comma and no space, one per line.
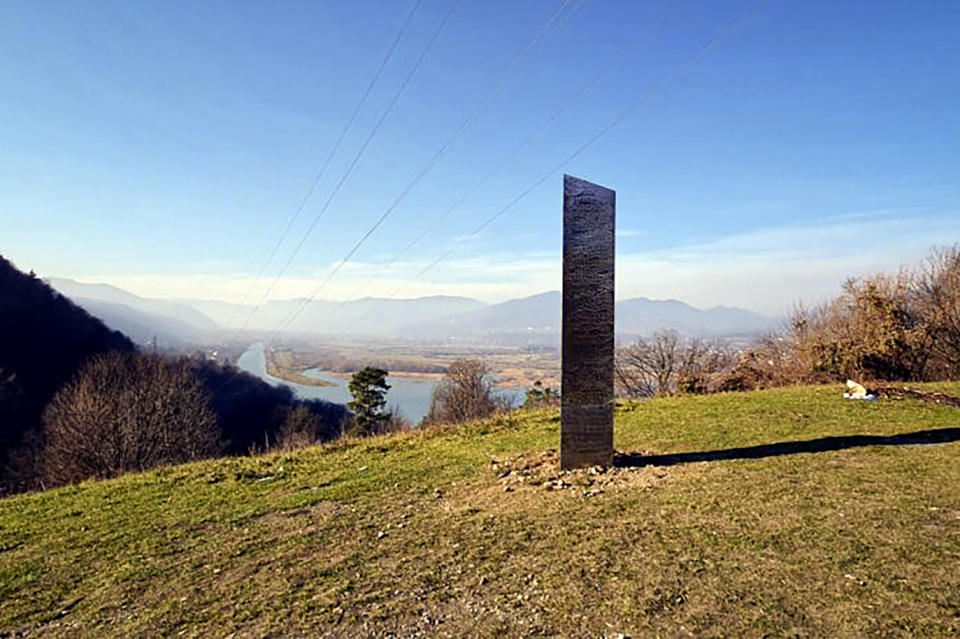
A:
427,533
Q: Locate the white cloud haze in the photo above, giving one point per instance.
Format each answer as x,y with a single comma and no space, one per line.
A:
766,270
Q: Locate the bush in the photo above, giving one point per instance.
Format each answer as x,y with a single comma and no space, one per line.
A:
937,298
903,327
396,422
465,393
44,339
538,396
873,330
251,413
127,412
302,427
666,363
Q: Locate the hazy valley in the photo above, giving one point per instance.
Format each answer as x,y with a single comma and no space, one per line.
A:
528,321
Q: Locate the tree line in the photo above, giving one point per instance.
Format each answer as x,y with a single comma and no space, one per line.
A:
465,393
886,327
78,400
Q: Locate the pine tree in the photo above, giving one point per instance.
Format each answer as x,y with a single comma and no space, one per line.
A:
369,389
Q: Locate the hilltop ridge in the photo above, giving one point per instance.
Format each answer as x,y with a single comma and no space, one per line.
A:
471,531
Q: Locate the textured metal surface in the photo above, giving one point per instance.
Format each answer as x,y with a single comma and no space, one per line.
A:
586,434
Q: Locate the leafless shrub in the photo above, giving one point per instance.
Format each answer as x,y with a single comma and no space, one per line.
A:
892,327
465,393
251,413
937,296
771,361
646,367
126,412
396,423
540,396
872,330
300,428
701,363
666,363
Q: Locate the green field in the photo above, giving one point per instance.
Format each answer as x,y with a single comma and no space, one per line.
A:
423,534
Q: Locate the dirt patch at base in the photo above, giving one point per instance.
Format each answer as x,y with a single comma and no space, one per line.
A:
542,471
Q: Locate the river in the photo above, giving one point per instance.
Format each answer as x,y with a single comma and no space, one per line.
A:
410,396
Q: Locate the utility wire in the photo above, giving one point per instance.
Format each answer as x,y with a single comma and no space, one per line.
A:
352,164
692,61
657,90
486,178
464,126
446,214
355,160
326,162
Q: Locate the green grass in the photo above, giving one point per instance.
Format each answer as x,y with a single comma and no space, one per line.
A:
414,533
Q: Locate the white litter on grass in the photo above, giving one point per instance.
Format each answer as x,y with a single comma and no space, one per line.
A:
865,398
858,391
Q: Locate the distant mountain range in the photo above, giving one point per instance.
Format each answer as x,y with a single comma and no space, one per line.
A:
140,318
529,320
537,319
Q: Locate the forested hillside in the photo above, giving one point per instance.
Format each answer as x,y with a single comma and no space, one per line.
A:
50,348
44,337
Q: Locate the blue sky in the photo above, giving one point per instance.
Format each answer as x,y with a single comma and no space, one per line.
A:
162,146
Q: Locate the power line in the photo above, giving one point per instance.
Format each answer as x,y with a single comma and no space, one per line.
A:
355,160
326,162
352,164
496,169
693,60
664,84
446,214
464,126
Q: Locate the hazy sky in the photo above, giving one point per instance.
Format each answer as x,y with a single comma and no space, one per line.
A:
162,146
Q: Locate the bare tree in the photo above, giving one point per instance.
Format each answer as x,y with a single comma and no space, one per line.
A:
666,363
300,428
398,422
127,412
647,367
466,392
938,297
701,361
